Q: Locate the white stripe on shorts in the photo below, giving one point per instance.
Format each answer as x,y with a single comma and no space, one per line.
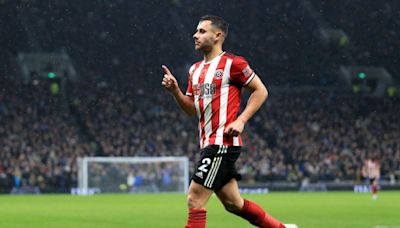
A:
215,166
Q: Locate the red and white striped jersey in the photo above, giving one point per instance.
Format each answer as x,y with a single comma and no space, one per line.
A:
371,169
216,90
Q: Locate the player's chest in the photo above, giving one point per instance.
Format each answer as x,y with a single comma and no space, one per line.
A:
208,82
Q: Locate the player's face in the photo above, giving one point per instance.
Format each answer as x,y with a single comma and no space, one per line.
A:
205,36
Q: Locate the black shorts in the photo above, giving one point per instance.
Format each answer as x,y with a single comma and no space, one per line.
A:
217,166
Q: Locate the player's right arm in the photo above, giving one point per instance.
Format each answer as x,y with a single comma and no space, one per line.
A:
171,85
364,170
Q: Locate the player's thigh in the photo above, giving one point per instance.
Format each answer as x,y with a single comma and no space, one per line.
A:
198,195
230,197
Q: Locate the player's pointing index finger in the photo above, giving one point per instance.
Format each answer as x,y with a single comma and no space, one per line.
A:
166,70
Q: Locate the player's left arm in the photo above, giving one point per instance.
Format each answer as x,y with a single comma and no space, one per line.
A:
259,94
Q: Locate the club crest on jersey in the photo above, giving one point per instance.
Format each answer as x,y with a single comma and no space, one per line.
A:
218,74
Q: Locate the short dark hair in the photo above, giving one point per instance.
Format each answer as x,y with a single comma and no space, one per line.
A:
217,22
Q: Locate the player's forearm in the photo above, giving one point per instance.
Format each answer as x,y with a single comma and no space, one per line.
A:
256,99
185,102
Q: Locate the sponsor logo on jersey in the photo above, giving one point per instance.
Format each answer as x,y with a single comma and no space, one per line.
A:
206,89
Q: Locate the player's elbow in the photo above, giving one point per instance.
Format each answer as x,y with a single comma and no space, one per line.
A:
189,109
260,88
264,93
190,112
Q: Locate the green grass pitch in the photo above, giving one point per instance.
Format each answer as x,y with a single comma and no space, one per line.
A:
308,210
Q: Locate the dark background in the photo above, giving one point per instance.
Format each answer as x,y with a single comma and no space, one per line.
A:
313,125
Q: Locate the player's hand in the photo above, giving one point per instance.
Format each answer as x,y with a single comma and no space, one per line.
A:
169,81
235,128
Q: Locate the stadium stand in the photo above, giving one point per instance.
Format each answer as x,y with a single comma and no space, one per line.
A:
118,107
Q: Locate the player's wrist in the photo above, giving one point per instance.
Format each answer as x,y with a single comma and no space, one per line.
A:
176,91
243,120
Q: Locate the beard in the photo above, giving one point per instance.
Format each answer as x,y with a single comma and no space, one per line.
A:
203,47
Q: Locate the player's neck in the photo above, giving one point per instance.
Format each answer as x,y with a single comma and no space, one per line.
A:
209,56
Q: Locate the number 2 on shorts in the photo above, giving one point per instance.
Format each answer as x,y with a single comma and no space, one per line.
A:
206,162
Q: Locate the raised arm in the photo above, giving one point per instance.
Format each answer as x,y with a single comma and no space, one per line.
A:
171,85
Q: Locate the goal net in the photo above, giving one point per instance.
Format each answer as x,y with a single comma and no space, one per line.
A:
132,175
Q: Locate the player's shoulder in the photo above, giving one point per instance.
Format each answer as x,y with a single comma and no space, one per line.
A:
196,63
194,66
235,58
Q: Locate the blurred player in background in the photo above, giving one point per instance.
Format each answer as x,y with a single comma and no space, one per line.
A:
371,171
213,94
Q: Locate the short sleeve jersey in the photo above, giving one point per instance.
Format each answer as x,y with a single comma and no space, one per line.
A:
215,87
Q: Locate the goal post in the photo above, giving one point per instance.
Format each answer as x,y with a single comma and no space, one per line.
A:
132,175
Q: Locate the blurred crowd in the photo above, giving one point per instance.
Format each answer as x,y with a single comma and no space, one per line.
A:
319,135
118,108
39,140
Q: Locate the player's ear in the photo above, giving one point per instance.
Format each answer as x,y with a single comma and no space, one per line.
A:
219,35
